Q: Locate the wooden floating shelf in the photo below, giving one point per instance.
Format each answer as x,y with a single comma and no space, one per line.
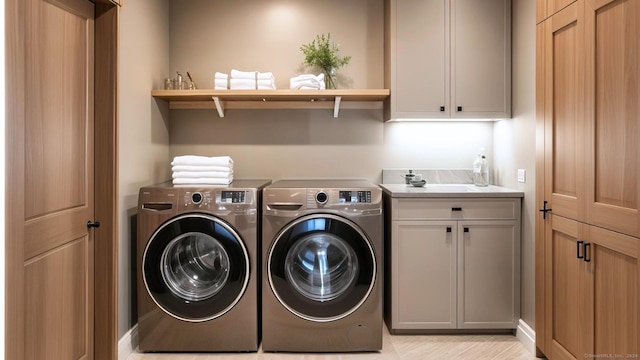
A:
270,99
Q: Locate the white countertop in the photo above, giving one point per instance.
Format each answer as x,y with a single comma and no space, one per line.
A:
449,190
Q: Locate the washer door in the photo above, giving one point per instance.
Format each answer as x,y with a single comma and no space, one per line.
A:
195,267
321,267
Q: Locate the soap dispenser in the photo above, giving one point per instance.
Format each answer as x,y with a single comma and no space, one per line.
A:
481,171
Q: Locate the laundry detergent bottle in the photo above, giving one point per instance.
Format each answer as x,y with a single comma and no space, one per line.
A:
481,171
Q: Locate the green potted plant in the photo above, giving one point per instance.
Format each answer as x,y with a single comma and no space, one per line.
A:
324,55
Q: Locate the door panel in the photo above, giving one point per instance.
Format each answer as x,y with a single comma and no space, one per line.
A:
614,282
56,308
562,158
563,271
424,274
422,60
58,178
613,115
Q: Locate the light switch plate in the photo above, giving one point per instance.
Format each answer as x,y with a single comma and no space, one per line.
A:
522,175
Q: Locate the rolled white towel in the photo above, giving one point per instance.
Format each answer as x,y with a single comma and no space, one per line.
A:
202,181
222,76
242,84
220,84
202,160
202,174
265,76
201,168
237,74
266,85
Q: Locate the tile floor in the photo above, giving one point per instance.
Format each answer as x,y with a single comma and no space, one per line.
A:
405,347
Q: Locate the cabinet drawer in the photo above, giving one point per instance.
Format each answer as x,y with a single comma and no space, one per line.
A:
455,209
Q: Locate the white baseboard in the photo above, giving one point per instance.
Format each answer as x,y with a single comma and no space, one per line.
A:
128,343
527,336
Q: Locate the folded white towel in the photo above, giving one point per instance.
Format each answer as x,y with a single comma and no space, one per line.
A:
242,84
220,84
222,76
237,74
202,160
266,85
202,174
265,76
202,181
201,168
307,81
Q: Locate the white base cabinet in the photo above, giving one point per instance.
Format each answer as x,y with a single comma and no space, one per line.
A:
452,265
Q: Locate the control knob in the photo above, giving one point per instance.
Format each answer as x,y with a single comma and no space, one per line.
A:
321,197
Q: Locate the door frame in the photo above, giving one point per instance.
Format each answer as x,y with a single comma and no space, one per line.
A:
106,179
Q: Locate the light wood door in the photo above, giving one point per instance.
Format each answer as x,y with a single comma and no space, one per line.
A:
564,288
563,181
481,59
612,112
52,179
423,271
613,287
421,58
488,274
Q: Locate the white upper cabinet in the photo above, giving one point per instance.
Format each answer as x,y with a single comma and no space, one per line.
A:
448,59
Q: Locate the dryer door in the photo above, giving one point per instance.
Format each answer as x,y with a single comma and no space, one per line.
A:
195,267
321,267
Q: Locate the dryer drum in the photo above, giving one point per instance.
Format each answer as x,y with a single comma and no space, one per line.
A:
321,267
195,267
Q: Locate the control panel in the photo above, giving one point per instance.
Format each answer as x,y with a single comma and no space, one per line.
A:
354,197
338,197
232,197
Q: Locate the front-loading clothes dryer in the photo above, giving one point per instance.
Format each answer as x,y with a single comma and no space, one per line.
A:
198,267
322,266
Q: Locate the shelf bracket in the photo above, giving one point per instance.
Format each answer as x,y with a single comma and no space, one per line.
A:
336,106
219,107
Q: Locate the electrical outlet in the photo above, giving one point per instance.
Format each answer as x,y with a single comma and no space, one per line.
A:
522,175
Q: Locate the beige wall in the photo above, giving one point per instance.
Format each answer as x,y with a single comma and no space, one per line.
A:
143,127
209,36
515,143
205,36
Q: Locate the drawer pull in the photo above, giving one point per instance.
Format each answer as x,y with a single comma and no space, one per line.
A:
578,246
456,209
448,229
466,229
587,254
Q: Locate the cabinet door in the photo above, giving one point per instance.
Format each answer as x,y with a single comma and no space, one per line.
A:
420,62
613,274
423,275
565,325
488,274
563,181
612,112
481,58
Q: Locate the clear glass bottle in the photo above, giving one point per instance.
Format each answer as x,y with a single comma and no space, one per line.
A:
481,171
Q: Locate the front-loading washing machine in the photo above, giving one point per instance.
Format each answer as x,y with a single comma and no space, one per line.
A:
322,266
198,267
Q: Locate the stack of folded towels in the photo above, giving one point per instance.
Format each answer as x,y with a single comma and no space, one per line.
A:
202,170
221,81
251,80
307,82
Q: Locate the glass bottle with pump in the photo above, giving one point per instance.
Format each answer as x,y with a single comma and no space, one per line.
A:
481,171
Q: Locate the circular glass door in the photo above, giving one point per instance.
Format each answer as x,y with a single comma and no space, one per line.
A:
195,267
321,267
